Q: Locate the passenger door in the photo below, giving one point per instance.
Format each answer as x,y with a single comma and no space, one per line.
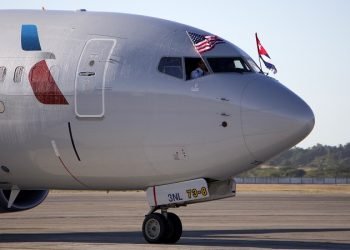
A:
91,78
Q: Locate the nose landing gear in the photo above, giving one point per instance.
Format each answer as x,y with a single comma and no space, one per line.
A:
166,227
162,228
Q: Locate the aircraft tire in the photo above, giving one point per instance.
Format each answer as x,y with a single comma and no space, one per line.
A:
154,228
174,231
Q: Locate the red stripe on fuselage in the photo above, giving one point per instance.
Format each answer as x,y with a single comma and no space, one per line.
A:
155,196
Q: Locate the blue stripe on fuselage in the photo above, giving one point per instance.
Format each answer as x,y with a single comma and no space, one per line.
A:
30,38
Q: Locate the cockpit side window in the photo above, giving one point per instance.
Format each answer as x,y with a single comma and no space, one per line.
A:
228,64
195,67
253,65
171,66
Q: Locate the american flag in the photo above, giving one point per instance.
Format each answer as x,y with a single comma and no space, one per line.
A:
204,43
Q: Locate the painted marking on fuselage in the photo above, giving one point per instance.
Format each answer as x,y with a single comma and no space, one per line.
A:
30,38
173,197
44,86
72,140
195,88
57,153
41,80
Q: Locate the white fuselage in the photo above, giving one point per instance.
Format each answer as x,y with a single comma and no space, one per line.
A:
125,124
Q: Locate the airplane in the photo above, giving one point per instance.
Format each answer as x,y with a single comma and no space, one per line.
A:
105,101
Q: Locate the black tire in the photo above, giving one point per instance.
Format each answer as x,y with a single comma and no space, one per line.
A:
154,228
174,229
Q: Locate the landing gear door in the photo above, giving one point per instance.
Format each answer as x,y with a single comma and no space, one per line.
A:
91,78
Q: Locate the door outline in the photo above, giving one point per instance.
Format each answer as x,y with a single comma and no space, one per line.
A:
103,79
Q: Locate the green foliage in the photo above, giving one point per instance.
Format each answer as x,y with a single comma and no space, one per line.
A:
317,161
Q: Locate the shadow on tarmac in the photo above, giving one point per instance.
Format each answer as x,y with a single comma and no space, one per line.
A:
214,238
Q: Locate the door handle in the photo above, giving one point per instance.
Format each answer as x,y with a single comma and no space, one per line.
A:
86,73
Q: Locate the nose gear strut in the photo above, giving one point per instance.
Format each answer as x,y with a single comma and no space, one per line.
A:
166,227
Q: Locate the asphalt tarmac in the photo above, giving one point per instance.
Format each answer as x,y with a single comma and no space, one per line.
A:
252,220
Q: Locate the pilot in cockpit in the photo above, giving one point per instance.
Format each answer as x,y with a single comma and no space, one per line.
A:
200,71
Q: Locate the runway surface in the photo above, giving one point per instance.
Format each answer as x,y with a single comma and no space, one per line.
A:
263,220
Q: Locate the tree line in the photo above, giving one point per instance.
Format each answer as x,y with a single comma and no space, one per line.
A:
317,161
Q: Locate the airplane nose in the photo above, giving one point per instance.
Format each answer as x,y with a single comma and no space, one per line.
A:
273,118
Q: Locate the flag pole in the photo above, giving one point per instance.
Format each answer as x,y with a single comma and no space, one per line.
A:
205,63
257,47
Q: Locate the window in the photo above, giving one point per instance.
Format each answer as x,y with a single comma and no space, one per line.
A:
2,73
228,64
253,65
171,66
191,64
18,74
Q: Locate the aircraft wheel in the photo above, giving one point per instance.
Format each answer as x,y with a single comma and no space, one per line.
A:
154,228
174,229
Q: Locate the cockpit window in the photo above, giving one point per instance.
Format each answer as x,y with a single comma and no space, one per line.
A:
195,68
253,65
228,64
171,66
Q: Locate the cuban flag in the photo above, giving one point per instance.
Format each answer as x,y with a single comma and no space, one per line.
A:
264,56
